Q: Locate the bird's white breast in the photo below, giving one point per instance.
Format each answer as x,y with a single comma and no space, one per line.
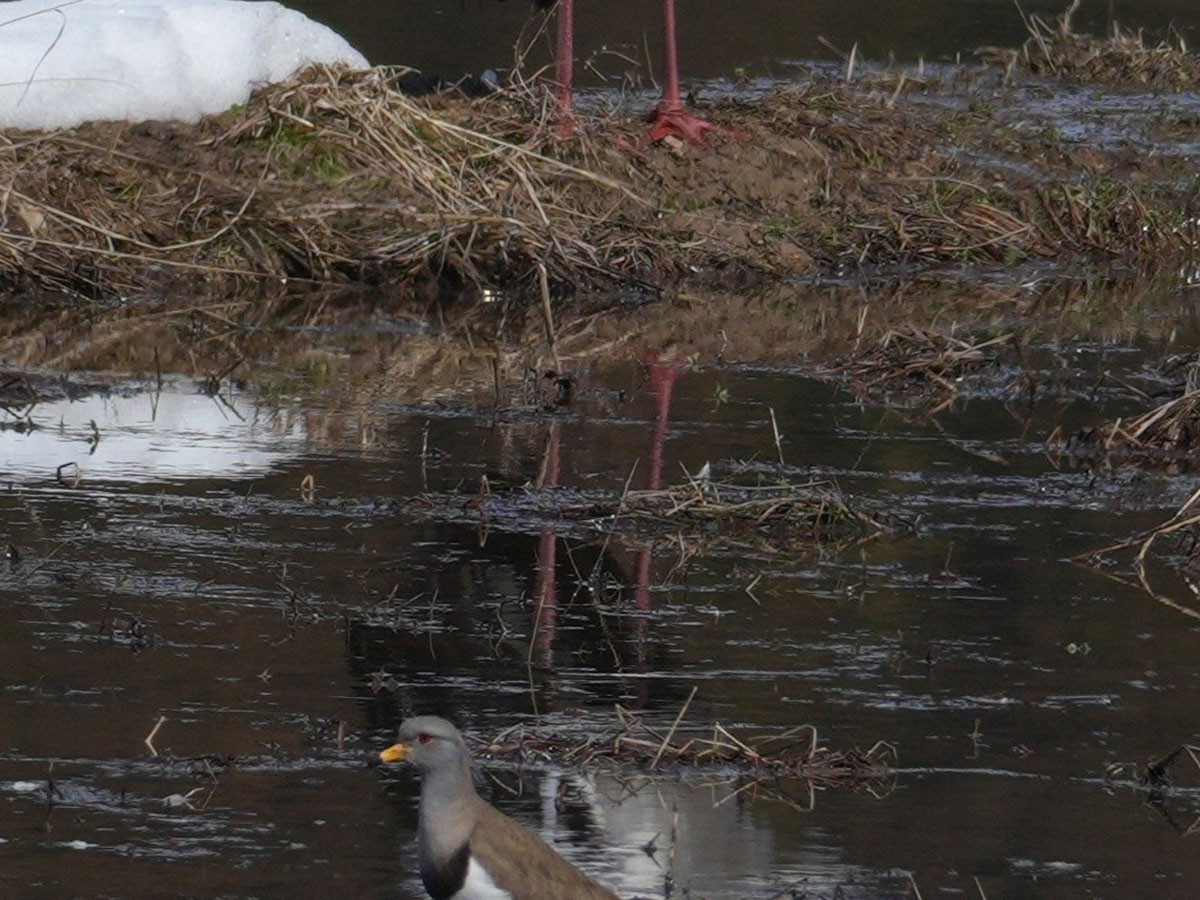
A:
479,885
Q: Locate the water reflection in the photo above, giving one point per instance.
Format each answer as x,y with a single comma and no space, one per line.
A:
168,434
274,623
662,375
453,37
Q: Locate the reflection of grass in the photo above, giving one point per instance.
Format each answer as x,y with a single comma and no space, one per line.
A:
309,372
291,342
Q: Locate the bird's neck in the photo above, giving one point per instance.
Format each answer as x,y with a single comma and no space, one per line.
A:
447,797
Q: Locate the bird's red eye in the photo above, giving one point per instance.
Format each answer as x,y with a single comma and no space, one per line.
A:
425,738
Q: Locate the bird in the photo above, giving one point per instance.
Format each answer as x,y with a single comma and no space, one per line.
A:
467,849
669,119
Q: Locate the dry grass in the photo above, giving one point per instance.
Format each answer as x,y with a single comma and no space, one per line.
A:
1167,434
338,177
1123,59
334,174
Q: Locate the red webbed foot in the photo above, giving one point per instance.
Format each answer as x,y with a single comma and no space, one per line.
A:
677,122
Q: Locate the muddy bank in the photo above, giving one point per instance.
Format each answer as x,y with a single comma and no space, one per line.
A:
340,178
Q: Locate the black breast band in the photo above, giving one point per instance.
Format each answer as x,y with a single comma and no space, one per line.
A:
447,879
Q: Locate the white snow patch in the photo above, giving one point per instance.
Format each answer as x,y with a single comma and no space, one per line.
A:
64,62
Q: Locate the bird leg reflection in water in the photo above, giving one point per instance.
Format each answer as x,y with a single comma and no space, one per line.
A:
669,119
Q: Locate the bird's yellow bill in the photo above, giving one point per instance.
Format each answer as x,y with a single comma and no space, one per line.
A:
395,753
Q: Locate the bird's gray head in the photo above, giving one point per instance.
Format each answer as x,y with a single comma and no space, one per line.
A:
430,744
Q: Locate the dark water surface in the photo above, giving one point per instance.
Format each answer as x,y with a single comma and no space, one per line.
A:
453,37
180,574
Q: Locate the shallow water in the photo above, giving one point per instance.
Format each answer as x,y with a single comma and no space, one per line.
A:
170,565
454,37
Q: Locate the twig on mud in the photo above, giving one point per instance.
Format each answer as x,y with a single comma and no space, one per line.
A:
548,314
126,239
87,250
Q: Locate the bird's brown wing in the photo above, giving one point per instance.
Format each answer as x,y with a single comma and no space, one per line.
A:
524,865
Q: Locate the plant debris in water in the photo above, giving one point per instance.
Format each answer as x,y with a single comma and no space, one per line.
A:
1166,435
915,357
1156,776
1175,542
779,517
795,752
